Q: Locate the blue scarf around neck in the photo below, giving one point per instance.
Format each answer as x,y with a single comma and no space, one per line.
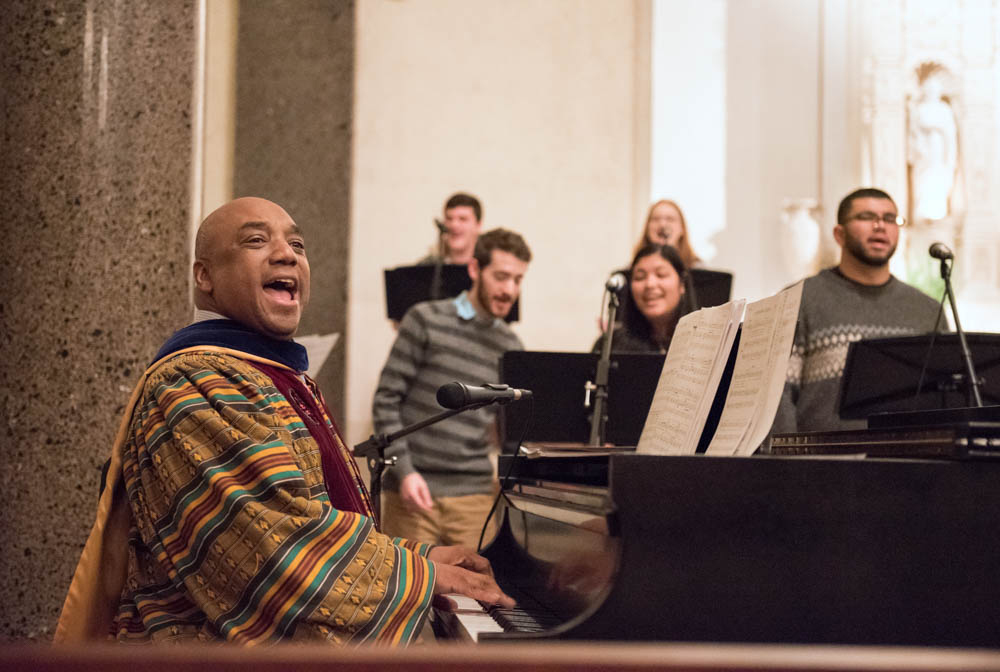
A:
233,335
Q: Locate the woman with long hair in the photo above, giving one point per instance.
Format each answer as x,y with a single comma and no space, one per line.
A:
652,302
665,225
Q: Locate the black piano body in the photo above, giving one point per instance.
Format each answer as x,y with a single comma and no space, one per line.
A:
767,549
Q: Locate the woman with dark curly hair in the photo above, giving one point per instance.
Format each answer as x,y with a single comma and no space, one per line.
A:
652,303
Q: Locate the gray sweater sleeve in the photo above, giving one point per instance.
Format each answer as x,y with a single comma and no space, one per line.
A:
400,370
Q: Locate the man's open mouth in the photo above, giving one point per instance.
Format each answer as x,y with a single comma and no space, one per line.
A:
282,288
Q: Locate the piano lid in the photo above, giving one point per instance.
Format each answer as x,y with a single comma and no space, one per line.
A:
767,550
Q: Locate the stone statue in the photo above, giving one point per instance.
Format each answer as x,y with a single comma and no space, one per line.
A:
933,147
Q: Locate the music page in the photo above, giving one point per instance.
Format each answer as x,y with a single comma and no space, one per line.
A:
781,350
689,379
759,373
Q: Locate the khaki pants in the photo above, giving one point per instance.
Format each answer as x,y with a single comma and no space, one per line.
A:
453,520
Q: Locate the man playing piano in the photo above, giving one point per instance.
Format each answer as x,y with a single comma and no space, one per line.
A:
859,298
233,511
442,485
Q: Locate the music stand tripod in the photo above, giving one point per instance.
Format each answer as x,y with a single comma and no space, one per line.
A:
373,450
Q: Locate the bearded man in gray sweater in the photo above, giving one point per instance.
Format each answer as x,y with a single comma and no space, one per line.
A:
441,488
859,298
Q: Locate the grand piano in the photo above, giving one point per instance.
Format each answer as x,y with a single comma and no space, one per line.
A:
765,549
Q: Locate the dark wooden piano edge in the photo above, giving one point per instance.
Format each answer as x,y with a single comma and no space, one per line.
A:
540,657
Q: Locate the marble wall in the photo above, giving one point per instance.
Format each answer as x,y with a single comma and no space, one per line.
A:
95,171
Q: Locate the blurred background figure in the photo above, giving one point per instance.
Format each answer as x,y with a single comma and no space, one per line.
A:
463,220
665,225
651,305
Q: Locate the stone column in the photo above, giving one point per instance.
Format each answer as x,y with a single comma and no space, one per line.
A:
95,172
294,106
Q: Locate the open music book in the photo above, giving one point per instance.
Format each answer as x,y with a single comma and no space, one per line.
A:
694,366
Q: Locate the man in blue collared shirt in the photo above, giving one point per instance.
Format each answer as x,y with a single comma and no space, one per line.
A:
441,488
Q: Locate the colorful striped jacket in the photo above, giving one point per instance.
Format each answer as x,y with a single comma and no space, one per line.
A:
216,490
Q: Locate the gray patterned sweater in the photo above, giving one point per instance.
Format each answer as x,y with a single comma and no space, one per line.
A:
834,312
440,342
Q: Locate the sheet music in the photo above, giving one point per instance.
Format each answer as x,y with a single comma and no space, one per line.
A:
781,350
689,379
759,373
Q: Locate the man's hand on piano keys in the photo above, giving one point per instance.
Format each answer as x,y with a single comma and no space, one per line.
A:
459,570
461,556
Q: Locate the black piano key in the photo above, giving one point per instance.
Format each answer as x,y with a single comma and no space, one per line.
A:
519,619
541,621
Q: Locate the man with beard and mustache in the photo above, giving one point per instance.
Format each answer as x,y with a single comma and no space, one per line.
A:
442,485
857,299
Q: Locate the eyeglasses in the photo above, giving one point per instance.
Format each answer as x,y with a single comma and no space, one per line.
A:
888,219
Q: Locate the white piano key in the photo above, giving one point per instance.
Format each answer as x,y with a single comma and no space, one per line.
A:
470,617
476,624
464,603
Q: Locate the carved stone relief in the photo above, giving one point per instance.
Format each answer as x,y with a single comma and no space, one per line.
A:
930,111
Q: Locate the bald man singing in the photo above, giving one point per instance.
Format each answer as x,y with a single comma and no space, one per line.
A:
233,511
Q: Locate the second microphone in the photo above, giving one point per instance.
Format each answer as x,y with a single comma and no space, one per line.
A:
459,395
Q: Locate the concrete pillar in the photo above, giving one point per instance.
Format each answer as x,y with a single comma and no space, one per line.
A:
96,175
294,106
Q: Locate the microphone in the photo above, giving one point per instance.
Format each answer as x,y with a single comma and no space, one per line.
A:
440,226
616,282
459,395
940,251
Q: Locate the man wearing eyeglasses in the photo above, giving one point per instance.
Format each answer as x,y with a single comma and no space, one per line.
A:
859,298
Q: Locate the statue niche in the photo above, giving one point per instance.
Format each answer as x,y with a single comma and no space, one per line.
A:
934,170
932,139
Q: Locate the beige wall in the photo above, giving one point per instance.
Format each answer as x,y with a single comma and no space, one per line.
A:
220,103
688,112
773,134
532,106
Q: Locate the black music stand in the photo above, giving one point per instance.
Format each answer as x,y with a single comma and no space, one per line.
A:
558,379
408,285
882,375
710,288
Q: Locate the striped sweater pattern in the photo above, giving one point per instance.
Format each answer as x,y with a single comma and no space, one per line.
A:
436,346
233,536
835,312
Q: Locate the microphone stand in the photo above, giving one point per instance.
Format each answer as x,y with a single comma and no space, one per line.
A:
690,294
438,262
970,369
599,418
373,450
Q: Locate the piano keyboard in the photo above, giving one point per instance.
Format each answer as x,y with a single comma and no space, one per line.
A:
469,619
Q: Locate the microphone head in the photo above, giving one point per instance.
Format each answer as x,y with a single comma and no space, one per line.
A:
616,282
452,395
940,251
